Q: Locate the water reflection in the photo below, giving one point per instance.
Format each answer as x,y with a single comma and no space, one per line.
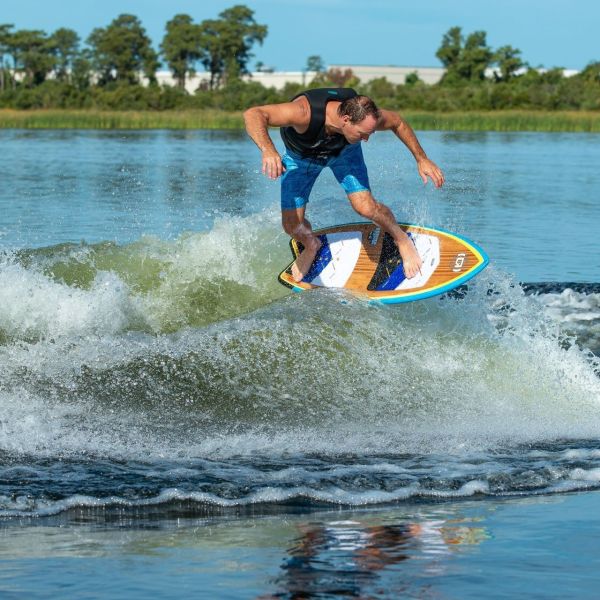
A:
464,137
351,559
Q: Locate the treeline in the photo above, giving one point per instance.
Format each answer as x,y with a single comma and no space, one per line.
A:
117,66
116,70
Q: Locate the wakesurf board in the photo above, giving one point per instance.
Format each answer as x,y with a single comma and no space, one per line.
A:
363,259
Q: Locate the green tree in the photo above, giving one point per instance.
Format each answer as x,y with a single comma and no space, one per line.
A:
64,44
121,51
451,47
412,79
31,51
181,47
213,52
336,78
509,62
81,74
315,63
380,88
4,49
475,57
465,60
590,80
591,73
227,42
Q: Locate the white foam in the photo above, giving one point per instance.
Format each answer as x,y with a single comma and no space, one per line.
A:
586,474
304,374
33,305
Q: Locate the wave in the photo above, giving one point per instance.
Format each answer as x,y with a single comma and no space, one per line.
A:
192,380
150,285
91,489
156,286
181,348
320,371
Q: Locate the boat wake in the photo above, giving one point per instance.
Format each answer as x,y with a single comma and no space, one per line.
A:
142,376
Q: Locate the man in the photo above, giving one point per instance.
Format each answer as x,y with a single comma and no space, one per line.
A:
324,127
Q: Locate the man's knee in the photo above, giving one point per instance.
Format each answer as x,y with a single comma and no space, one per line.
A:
364,204
289,223
293,222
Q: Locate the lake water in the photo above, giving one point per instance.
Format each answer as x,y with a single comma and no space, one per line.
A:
173,421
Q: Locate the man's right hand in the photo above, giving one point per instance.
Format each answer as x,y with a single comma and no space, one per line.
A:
272,166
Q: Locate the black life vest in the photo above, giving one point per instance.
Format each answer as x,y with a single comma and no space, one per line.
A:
315,142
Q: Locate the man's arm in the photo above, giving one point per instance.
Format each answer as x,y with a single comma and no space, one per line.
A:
258,119
392,121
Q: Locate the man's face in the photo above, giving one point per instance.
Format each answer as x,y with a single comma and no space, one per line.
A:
358,132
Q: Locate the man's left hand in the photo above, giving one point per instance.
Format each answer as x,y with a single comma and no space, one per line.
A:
427,168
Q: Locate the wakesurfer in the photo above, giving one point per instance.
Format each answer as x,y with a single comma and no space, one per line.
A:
324,128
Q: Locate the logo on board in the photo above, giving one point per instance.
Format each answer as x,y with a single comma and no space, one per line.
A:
459,262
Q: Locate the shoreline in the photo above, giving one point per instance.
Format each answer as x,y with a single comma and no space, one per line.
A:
501,121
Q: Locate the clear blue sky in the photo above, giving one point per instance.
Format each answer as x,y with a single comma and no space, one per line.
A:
379,32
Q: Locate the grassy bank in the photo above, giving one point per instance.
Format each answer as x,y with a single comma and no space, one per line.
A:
507,120
95,119
213,119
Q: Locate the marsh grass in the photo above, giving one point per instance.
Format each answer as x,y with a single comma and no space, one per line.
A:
95,119
505,120
502,120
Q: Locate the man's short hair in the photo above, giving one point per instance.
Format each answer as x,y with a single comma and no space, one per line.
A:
358,108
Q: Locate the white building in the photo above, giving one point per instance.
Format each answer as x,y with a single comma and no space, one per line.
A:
395,75
365,73
278,79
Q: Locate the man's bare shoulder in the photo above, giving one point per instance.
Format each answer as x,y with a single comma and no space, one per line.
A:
388,119
302,110
294,114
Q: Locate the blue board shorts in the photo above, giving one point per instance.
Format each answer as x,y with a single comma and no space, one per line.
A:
301,172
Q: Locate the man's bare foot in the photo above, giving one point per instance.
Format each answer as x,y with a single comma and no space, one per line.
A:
306,258
411,261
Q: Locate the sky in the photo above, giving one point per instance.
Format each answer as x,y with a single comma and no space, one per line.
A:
549,33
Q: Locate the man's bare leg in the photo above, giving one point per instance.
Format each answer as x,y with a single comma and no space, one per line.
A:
296,226
366,206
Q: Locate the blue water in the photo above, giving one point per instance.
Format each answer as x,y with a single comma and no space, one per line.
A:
529,198
171,415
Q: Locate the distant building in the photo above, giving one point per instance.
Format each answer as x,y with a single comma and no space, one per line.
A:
429,75
191,83
365,73
268,78
395,75
278,79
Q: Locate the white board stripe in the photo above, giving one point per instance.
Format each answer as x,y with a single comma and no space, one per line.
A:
345,249
428,247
